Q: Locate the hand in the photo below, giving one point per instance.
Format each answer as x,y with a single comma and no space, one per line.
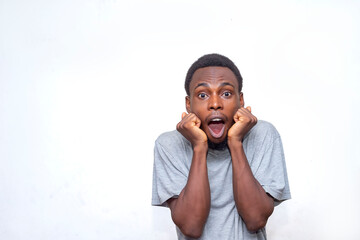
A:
244,121
189,127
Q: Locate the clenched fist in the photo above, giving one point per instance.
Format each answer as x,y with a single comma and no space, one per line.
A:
244,121
189,127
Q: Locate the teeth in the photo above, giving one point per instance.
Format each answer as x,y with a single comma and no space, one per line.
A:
216,120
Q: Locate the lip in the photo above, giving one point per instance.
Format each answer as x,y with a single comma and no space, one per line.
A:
216,117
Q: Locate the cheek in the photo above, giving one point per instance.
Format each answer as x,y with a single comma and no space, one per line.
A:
197,107
232,113
234,106
235,110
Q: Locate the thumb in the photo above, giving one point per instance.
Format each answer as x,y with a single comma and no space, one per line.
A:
248,108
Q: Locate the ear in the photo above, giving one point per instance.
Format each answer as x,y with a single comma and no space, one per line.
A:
187,103
242,102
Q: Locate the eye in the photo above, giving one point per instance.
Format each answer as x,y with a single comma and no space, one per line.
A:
202,95
227,94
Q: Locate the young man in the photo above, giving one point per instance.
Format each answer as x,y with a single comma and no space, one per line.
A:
222,171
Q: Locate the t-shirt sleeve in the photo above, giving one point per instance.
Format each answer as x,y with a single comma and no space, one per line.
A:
169,176
272,173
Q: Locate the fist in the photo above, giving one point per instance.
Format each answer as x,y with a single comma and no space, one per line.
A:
244,121
189,127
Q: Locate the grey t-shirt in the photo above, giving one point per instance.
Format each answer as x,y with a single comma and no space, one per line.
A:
264,152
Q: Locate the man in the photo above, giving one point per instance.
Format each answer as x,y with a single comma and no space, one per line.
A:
222,171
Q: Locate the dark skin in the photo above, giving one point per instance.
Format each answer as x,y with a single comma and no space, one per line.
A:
214,94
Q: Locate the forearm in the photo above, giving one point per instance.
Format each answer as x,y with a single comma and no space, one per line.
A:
191,209
252,202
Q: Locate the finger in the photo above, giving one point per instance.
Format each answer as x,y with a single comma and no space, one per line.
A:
243,114
237,115
247,112
183,115
197,122
194,119
178,126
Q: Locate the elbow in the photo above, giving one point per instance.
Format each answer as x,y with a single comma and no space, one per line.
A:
258,221
254,226
191,231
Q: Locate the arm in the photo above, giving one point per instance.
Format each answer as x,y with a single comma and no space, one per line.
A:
191,209
252,202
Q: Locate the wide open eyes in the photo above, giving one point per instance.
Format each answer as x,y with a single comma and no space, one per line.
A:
227,94
202,95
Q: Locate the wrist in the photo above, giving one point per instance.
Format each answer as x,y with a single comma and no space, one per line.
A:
200,147
234,143
234,138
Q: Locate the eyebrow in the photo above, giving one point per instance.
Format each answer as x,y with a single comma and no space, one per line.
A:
226,84
202,84
221,85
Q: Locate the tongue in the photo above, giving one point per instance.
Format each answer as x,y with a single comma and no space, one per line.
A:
216,127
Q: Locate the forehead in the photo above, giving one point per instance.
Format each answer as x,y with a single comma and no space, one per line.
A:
213,76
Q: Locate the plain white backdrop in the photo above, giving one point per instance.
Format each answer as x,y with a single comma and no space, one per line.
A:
87,86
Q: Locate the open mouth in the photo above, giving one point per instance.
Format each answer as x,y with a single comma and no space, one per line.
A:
216,127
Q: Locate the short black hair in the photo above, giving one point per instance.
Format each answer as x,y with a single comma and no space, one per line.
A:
212,60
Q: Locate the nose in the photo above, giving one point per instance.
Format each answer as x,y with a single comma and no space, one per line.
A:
215,103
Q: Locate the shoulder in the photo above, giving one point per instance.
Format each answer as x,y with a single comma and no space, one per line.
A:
171,140
263,130
265,127
174,147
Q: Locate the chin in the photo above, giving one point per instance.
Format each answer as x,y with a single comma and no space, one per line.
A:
217,140
217,143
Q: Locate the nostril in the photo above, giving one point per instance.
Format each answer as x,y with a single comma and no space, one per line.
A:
215,107
214,103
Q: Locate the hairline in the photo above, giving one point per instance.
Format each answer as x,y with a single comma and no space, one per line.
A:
222,84
212,60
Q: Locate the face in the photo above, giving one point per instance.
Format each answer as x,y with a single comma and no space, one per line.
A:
214,98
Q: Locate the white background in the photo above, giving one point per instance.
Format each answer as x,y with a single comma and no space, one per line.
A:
87,86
